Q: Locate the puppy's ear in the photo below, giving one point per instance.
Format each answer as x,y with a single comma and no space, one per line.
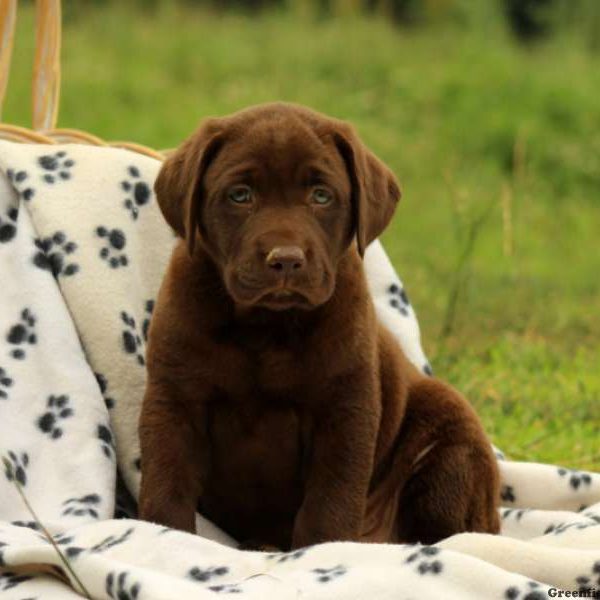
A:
178,186
375,189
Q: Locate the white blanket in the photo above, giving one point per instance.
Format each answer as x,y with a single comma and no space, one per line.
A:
82,251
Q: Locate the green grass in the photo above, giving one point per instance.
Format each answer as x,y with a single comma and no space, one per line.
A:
460,115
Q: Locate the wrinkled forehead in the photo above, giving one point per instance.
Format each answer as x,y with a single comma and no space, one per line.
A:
279,146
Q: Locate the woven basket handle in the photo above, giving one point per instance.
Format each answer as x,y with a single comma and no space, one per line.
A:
46,82
46,68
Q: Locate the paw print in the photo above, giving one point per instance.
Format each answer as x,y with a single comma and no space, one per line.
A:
8,225
119,588
204,575
282,557
507,494
595,517
20,181
528,591
562,527
590,580
111,541
149,309
517,514
5,383
29,524
112,250
106,441
132,340
398,299
231,588
58,409
103,384
22,334
15,467
52,255
9,580
82,507
138,192
425,563
57,166
576,478
327,575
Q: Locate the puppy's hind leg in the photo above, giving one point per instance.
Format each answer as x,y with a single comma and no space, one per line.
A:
453,485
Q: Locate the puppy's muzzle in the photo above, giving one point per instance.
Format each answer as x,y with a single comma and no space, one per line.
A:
285,260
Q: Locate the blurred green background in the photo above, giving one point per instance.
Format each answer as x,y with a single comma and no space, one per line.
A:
489,112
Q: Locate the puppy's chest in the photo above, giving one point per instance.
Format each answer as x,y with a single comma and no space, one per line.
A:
277,370
274,368
257,441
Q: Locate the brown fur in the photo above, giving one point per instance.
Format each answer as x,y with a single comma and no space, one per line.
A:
276,403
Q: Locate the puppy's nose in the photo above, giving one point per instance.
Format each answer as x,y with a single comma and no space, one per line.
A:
286,259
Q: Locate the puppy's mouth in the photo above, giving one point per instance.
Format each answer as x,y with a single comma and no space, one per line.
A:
283,299
277,298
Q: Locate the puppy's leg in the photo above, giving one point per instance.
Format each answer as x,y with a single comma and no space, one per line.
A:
341,462
453,485
172,460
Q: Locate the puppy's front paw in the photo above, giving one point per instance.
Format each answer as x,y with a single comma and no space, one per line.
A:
169,515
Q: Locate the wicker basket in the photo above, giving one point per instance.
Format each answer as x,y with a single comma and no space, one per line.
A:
46,82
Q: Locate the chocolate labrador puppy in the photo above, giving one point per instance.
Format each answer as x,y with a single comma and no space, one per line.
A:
277,405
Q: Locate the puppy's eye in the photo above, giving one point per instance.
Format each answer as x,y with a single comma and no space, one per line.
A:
240,194
322,196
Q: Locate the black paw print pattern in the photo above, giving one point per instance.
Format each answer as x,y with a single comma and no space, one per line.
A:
103,384
22,334
15,467
113,246
398,299
10,580
65,540
528,591
591,580
425,561
149,309
559,529
595,517
21,181
8,225
282,557
138,192
29,524
575,478
111,541
132,338
204,575
58,410
56,167
54,254
516,514
107,443
5,383
85,506
119,588
327,575
229,588
507,494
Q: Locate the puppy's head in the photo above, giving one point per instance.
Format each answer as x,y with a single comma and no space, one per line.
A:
276,194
